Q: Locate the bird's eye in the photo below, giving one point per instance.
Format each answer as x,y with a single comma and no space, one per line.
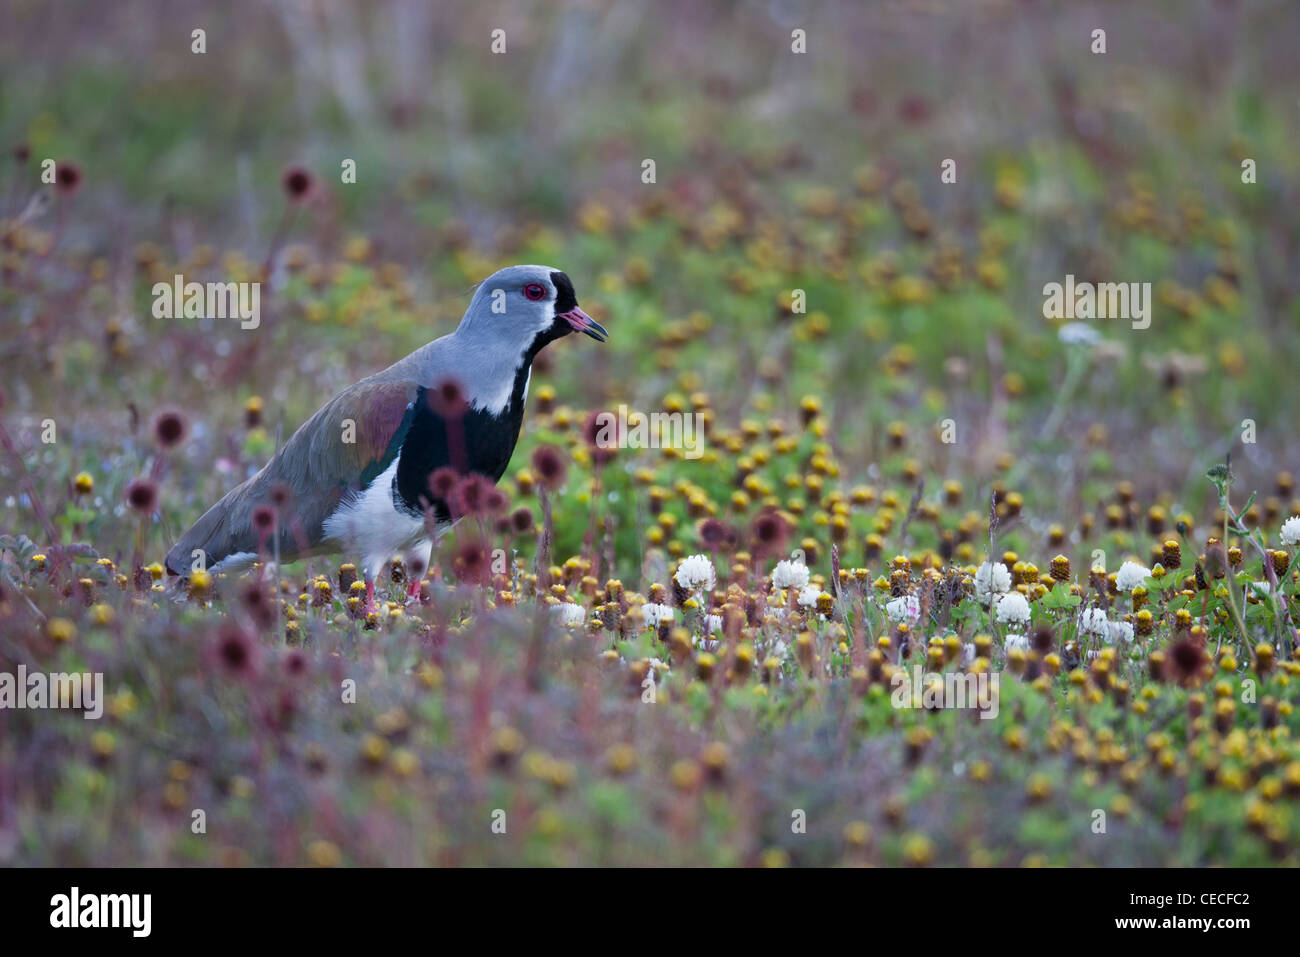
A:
535,291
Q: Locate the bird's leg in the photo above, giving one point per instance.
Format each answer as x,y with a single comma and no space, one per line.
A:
371,608
417,563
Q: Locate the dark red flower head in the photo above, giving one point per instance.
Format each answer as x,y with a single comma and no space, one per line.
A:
1187,660
67,177
142,495
471,495
442,483
170,429
548,464
258,603
447,399
601,433
521,520
716,534
471,563
295,664
495,501
297,182
1042,638
770,533
415,567
235,650
914,109
264,520
280,496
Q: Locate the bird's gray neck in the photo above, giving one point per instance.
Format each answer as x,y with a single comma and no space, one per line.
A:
489,376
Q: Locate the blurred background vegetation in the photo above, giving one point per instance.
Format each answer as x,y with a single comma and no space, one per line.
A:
774,171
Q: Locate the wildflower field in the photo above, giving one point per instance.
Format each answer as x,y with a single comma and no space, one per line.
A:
910,485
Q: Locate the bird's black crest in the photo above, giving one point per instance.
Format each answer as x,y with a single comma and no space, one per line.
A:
565,298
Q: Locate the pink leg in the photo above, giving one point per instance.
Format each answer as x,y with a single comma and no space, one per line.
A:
413,590
370,599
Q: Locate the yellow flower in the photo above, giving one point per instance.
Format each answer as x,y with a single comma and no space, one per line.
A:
103,744
61,630
324,854
404,762
122,703
918,850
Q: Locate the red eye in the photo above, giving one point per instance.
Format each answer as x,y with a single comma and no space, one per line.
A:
535,291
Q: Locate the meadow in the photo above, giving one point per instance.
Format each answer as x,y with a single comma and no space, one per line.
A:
644,656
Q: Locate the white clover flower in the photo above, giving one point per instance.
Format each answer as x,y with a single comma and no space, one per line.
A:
1078,334
904,608
654,613
1262,590
696,573
1291,531
808,597
992,579
1131,575
1013,609
1119,632
1093,622
705,643
788,574
569,614
713,624
1015,643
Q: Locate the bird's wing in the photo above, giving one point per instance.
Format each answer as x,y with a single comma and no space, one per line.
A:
344,447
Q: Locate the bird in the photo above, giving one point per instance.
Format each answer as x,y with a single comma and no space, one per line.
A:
355,477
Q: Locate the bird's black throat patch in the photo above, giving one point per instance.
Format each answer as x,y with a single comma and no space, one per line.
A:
475,441
566,299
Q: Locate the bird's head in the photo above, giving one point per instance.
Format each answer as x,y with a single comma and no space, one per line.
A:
522,308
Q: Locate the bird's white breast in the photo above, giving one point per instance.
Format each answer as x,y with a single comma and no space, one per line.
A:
495,399
370,523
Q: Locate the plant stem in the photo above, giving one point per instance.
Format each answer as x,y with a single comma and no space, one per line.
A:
1227,578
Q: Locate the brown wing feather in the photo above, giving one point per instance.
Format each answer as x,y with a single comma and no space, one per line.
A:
316,467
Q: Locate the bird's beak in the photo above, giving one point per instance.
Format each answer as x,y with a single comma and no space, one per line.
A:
582,322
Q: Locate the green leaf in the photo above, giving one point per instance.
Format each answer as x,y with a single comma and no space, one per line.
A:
1163,584
1060,598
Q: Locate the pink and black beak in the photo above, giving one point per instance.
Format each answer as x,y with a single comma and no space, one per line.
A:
566,308
581,322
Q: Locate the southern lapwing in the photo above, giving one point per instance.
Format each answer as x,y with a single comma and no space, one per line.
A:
355,476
